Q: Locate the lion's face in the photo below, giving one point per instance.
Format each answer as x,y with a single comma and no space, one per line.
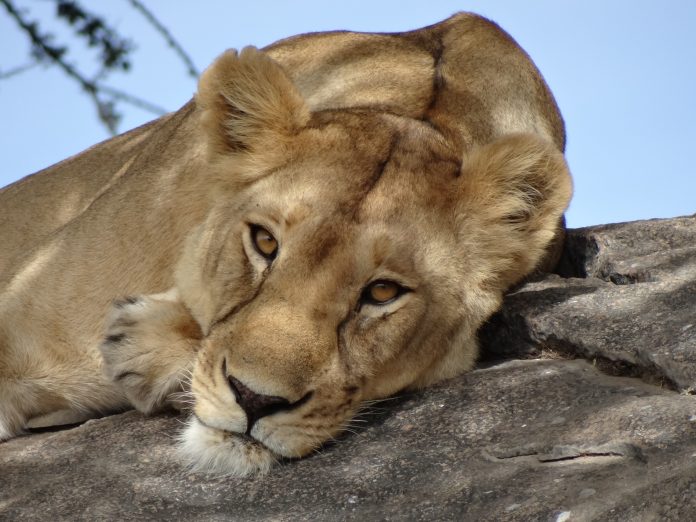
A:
356,256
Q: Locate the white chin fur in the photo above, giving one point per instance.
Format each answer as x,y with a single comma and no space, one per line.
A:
213,451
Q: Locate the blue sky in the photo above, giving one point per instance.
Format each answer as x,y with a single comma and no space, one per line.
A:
623,73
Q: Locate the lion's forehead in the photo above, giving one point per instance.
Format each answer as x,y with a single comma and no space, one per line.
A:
369,170
350,205
338,242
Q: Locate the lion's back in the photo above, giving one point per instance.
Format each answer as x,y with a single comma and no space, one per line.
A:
465,71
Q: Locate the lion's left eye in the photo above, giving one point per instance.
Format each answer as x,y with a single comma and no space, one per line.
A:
264,242
381,292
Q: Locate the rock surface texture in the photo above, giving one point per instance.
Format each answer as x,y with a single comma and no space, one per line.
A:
580,410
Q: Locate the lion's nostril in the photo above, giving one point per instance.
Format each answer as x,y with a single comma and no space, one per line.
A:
254,404
235,390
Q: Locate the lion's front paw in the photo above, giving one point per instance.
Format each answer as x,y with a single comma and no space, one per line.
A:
149,348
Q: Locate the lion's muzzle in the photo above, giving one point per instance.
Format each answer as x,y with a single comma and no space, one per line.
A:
256,405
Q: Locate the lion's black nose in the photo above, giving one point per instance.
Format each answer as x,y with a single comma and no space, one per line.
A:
254,404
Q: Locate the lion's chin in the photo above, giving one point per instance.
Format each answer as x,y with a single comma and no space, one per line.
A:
219,452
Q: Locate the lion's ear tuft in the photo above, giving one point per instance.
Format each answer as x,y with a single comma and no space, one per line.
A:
518,187
248,102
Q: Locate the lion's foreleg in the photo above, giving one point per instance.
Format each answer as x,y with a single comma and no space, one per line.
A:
149,350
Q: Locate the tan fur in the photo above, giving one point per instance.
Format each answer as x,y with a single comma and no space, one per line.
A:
431,158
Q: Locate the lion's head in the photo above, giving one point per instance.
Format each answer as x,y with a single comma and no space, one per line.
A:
350,254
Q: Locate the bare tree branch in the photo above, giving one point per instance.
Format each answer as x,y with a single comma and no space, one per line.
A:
167,36
105,107
17,70
132,99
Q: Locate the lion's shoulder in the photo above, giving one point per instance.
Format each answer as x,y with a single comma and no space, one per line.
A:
35,208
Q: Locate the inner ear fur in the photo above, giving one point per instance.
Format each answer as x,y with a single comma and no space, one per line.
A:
249,104
518,188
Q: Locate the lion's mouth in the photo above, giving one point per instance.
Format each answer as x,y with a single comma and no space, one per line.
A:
245,438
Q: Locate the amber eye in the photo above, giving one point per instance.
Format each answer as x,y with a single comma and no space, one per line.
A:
264,242
381,292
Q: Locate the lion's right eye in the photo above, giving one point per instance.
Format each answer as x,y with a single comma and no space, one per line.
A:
381,292
264,242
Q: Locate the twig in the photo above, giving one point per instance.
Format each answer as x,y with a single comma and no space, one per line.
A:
17,70
93,88
52,52
132,99
167,36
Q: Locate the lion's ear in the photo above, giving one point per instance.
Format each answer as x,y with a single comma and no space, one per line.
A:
249,103
517,188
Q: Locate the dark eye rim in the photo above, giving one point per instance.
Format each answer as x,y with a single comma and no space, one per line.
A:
253,229
367,299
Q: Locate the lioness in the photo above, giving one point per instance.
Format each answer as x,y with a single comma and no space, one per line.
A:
327,222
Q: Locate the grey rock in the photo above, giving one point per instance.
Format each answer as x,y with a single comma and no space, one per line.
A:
635,252
540,439
627,302
518,441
